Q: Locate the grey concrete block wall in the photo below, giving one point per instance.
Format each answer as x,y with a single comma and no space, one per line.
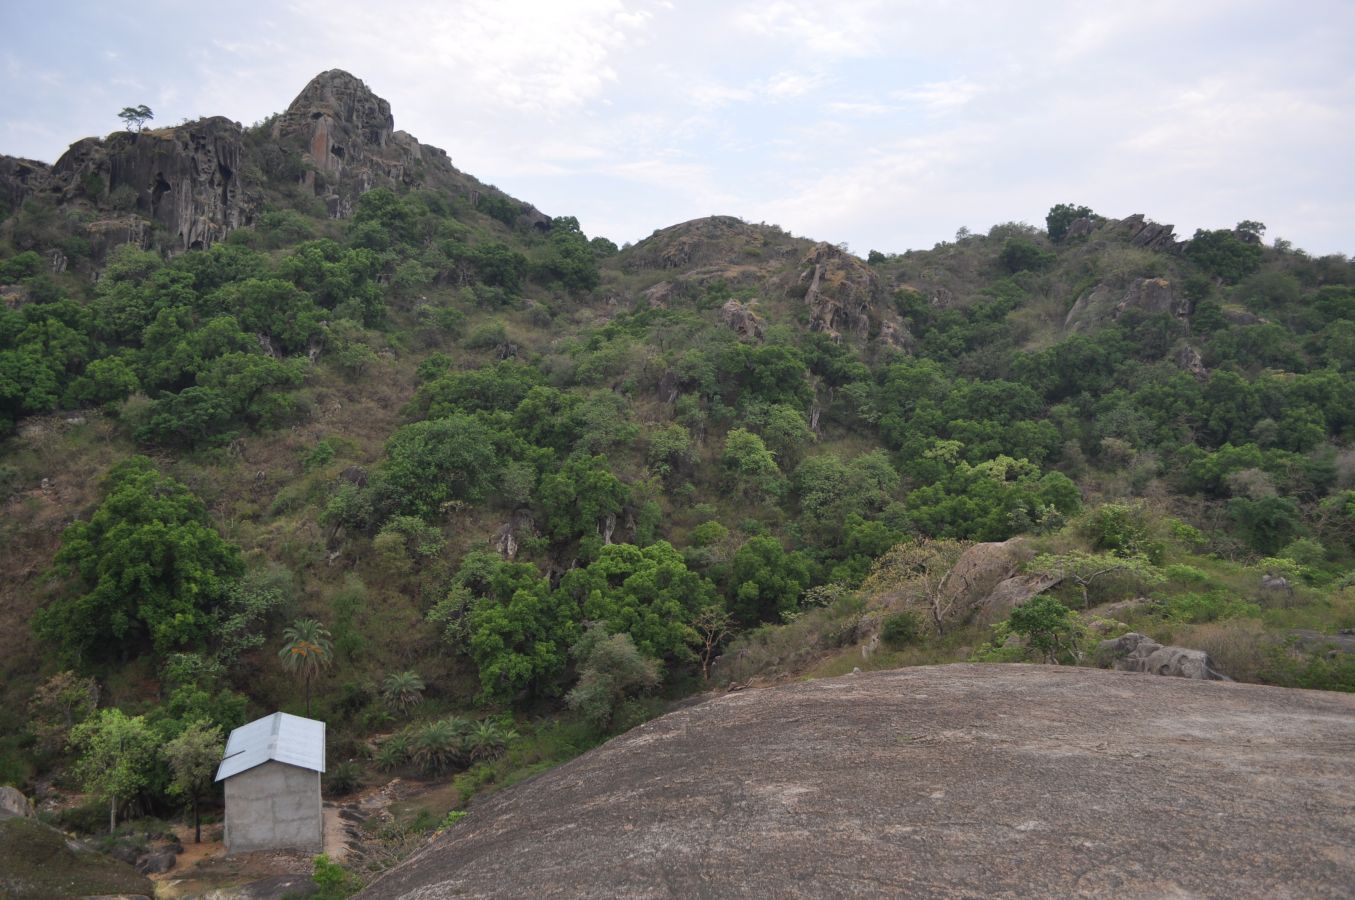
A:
274,806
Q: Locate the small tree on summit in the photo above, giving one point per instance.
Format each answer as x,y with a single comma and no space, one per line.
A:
136,117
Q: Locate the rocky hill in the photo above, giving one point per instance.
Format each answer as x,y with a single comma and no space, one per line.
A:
529,488
951,781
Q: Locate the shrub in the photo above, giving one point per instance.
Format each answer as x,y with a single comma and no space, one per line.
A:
342,779
900,629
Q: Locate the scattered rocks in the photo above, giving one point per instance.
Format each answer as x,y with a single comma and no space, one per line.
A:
1134,652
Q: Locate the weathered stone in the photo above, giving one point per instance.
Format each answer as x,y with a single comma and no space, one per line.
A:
1142,232
185,178
1106,303
658,296
13,804
21,179
1134,652
1078,229
938,781
742,320
1190,359
1009,594
156,861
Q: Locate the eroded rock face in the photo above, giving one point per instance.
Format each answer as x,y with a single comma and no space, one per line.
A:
186,178
1134,652
21,179
1106,303
1191,360
845,299
937,781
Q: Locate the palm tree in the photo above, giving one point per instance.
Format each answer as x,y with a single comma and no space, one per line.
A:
307,651
488,740
438,746
402,691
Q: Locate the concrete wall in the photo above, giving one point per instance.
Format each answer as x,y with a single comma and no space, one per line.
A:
274,806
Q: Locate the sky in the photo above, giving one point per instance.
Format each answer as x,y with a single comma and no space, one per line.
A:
882,125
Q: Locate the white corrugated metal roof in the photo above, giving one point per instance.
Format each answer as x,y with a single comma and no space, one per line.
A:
281,737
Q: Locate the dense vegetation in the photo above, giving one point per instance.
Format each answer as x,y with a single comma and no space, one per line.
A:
492,503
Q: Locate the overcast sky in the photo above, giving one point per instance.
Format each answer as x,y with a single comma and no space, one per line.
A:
887,125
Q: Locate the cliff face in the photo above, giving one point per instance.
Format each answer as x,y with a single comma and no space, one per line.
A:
185,179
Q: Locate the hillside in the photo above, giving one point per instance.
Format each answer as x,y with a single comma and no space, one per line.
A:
525,489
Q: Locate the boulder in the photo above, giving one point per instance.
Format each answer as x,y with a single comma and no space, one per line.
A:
156,861
742,320
1009,594
186,179
13,804
1078,229
841,292
1134,652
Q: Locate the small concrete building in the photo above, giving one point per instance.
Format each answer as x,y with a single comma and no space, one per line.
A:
272,774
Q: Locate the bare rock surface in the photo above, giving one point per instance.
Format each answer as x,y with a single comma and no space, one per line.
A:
951,781
741,319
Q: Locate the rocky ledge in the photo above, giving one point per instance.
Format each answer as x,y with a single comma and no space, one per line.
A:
959,781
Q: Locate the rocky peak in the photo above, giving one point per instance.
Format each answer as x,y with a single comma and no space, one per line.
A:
339,120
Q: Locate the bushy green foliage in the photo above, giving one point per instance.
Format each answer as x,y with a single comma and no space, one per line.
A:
900,629
611,669
147,570
1061,215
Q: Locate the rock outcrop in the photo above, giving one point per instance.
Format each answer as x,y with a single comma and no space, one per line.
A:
741,319
199,181
938,781
186,179
844,297
1143,232
1134,652
1106,303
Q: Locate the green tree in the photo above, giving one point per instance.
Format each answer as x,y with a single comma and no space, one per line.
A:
136,117
749,467
118,758
611,670
765,582
1062,215
193,758
1084,568
1224,255
1019,255
147,568
308,651
430,463
1049,628
647,593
